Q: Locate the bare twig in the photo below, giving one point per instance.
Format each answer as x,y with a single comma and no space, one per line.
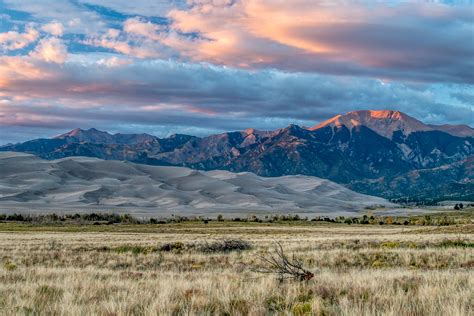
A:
286,268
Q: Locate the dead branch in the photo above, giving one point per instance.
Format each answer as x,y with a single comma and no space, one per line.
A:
285,268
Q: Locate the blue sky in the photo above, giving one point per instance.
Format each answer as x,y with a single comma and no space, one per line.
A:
202,67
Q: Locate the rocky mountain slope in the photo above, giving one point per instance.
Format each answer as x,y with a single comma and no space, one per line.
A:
82,183
358,149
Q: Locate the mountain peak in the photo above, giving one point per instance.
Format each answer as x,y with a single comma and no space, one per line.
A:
90,135
249,131
79,133
380,114
383,122
73,132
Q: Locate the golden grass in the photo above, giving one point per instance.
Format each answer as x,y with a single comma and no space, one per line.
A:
360,270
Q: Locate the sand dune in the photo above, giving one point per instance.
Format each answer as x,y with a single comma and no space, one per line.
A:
89,184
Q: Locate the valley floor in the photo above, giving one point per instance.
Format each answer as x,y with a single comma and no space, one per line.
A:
171,270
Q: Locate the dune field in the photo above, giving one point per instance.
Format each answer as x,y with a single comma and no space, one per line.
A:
30,184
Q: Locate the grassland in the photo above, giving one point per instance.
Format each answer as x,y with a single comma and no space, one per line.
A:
166,270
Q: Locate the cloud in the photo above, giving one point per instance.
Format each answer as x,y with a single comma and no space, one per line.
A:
13,40
14,69
54,28
411,41
398,40
74,17
140,27
138,7
138,38
115,41
200,97
51,50
208,66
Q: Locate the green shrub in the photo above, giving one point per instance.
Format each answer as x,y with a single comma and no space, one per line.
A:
391,244
456,243
9,266
301,309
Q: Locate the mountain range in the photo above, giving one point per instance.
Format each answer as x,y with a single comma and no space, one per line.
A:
384,153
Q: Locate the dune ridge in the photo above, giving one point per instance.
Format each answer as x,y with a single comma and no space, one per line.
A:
81,183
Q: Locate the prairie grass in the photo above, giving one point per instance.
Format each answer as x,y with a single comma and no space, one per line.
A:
359,270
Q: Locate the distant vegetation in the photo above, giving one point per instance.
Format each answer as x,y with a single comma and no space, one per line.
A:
417,201
460,215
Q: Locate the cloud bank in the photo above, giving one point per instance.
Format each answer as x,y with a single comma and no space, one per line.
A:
207,66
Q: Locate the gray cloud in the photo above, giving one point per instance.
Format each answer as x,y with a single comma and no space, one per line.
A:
169,96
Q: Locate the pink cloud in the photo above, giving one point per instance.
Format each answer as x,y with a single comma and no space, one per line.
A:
12,40
51,50
140,27
402,40
54,28
15,68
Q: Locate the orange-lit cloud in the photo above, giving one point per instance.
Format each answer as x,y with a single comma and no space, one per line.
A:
407,40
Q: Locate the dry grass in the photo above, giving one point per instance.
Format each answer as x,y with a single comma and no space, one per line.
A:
359,270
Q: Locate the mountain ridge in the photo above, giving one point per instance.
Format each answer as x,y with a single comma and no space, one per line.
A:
355,150
386,122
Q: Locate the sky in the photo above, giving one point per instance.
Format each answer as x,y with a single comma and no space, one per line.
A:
206,66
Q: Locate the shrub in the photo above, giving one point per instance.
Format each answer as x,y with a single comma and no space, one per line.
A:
225,246
391,244
276,303
379,264
456,243
9,266
176,246
284,267
301,309
136,250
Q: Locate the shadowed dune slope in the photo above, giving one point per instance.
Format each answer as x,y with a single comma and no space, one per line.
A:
29,182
